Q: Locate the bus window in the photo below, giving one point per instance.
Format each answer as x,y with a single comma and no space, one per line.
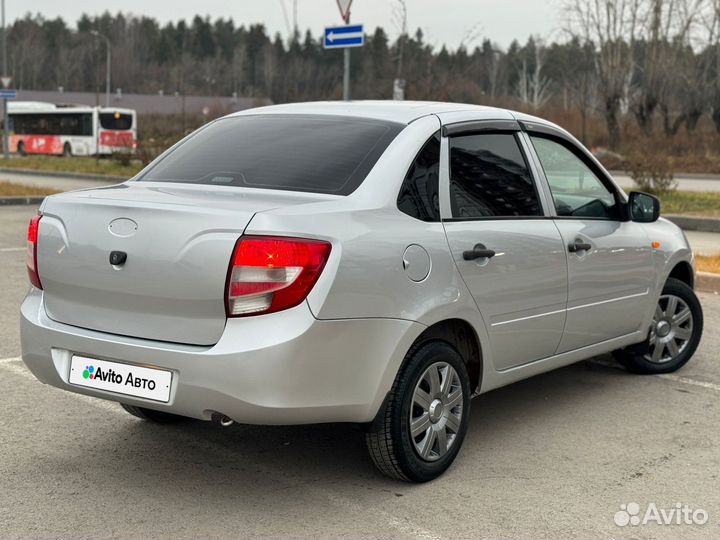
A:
116,121
78,124
74,124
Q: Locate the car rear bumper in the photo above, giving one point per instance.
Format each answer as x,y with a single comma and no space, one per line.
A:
282,368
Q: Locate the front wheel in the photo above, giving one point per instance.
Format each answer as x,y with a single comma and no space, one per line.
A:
426,417
674,333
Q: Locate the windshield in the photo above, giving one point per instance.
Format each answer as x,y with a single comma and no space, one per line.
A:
312,153
116,121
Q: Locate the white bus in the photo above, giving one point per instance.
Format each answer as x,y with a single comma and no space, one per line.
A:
70,130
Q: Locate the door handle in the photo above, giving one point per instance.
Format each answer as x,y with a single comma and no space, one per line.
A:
478,252
579,245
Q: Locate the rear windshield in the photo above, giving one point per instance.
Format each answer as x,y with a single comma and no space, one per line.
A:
116,121
312,153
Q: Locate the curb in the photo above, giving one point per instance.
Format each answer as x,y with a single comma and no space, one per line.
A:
693,223
711,177
707,282
61,174
15,201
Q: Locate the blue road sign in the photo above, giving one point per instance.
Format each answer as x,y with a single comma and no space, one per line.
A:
341,37
8,94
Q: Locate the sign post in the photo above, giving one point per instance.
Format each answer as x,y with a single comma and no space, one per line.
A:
6,94
5,82
345,37
346,72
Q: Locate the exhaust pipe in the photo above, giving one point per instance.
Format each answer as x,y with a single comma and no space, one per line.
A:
222,420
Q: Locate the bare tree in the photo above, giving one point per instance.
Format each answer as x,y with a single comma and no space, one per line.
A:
581,83
269,67
533,85
26,48
664,63
239,58
494,74
470,36
612,27
713,52
400,16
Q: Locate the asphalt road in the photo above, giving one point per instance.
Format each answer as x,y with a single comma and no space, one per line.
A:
553,456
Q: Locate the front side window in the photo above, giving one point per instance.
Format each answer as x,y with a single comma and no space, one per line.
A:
419,193
576,190
489,178
311,153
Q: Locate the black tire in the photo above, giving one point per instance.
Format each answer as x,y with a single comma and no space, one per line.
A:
151,415
637,359
389,441
21,149
67,150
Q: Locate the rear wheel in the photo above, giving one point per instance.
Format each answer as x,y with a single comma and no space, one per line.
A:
426,417
674,334
151,415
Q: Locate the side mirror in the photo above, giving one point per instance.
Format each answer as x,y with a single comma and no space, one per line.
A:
643,207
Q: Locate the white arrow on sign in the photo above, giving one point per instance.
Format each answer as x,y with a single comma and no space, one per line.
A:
345,35
6,81
344,7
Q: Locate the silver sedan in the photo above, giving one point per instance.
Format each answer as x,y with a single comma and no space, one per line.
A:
371,262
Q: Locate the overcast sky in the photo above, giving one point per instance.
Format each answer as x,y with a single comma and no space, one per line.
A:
442,21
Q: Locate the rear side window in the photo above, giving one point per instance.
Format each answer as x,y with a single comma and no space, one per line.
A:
312,153
490,178
419,193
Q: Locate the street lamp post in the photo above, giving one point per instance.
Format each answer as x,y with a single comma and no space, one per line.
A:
108,63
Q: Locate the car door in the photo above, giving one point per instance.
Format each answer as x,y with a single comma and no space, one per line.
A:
610,266
508,252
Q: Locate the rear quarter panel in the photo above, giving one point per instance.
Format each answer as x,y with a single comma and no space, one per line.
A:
364,276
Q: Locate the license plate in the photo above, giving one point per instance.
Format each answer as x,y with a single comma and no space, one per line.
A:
119,378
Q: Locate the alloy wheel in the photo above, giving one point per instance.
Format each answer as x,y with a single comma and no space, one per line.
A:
671,329
436,411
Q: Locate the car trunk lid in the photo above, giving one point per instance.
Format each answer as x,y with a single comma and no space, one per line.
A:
171,245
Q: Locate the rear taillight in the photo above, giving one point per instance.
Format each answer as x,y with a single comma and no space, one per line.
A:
31,253
270,274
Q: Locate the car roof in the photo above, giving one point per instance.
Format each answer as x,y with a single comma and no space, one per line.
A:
403,112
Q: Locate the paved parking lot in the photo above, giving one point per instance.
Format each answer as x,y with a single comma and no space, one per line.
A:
553,456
